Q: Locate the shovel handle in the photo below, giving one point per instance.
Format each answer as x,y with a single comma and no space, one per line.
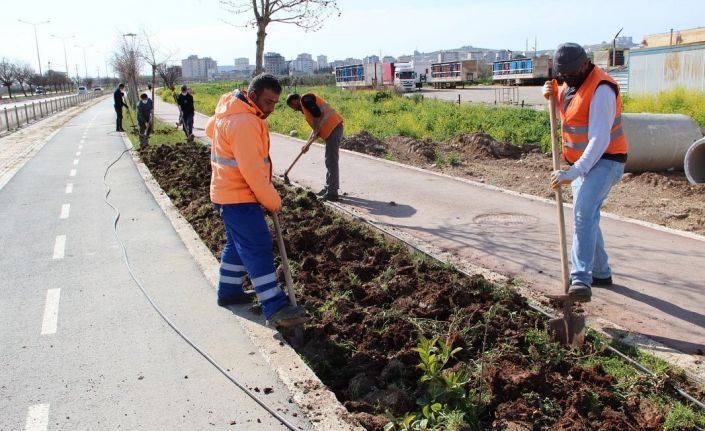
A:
301,153
285,260
559,195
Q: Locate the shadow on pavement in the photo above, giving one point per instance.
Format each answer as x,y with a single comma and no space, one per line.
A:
389,209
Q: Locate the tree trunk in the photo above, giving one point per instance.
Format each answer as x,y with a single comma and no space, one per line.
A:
23,92
261,35
9,90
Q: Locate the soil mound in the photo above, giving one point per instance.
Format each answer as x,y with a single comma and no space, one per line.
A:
365,143
412,149
483,146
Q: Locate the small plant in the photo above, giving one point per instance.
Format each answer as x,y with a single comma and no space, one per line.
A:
453,159
440,160
389,156
682,417
449,401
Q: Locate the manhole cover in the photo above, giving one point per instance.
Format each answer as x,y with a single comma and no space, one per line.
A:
505,219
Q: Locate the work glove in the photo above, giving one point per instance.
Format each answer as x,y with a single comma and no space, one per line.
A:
550,88
559,178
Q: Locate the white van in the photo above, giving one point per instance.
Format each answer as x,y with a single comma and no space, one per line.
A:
82,90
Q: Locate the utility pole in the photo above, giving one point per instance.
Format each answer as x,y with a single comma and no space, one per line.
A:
66,62
36,41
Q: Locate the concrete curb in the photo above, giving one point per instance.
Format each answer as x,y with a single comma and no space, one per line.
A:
320,404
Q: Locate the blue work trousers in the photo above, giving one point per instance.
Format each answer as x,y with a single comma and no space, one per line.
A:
588,256
248,251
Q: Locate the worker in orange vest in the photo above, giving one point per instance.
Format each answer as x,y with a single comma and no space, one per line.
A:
328,125
595,147
241,184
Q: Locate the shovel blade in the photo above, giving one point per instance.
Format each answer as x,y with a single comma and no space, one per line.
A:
568,330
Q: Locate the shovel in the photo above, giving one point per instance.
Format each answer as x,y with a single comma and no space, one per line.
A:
298,331
303,150
569,329
129,114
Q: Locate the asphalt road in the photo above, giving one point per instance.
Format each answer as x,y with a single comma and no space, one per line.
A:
82,349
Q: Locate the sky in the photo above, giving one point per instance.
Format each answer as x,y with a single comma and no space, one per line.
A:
388,27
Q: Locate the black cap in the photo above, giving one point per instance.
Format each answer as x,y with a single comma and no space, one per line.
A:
184,87
290,98
568,58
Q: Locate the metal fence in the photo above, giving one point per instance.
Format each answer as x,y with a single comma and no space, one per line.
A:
14,117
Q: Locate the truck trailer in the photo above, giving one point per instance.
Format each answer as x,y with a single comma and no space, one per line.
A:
449,74
359,75
523,71
401,76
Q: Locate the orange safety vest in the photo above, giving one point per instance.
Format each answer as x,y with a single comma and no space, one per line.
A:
574,119
328,120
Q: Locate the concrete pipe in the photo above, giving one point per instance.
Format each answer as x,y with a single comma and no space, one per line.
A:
694,164
658,142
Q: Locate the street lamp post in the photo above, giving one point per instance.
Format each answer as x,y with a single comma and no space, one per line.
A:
36,41
66,62
85,66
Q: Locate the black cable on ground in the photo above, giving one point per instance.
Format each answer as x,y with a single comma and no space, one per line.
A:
171,324
633,362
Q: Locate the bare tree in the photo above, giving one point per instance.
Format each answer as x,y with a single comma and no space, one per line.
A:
127,61
154,56
307,14
7,75
35,80
23,72
169,75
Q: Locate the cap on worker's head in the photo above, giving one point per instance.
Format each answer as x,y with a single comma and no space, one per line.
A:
121,85
290,98
184,87
568,58
143,96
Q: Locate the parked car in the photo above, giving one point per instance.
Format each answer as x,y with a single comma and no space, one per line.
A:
98,90
82,90
39,90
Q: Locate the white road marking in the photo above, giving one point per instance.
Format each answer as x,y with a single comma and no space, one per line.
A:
51,312
69,188
75,161
59,246
83,141
78,153
37,417
80,147
65,211
72,173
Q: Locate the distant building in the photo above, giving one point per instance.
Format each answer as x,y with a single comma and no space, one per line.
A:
448,56
242,64
351,61
404,58
199,68
388,59
274,63
370,59
303,65
321,62
338,63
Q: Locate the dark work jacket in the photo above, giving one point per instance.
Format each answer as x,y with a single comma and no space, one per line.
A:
185,103
144,110
117,98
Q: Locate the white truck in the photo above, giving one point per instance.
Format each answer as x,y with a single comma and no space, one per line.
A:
405,78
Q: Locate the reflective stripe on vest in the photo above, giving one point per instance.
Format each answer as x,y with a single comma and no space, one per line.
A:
231,162
327,114
582,145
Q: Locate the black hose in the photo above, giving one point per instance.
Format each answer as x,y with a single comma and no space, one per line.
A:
271,411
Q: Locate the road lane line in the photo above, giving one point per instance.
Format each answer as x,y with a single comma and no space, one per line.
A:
59,246
72,173
80,147
83,141
37,417
75,161
78,153
51,312
65,208
69,188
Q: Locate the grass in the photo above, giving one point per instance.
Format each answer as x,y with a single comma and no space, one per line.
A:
163,134
676,101
386,114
